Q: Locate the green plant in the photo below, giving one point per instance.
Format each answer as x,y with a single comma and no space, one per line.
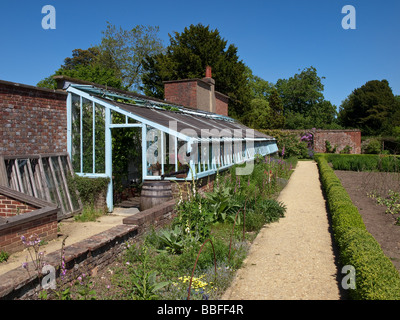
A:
294,147
346,150
373,147
89,213
391,202
377,278
329,148
220,203
3,256
145,285
171,240
193,217
89,188
84,288
364,162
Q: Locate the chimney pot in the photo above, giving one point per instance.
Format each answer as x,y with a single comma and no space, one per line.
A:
208,72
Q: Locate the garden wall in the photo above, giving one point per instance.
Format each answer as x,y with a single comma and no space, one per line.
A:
32,120
24,215
88,256
341,138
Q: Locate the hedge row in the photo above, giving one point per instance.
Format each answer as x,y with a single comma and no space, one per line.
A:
376,276
365,162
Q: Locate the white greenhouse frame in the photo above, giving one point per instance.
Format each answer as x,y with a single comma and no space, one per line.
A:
209,160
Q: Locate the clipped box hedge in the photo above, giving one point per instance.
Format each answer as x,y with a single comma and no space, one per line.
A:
376,276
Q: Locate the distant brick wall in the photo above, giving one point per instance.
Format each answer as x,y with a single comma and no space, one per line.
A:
340,138
32,120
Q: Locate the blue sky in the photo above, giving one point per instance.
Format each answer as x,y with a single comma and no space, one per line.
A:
274,38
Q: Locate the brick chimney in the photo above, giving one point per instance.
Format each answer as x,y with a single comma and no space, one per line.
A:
197,94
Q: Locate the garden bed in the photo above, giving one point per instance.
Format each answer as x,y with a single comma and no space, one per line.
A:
382,226
209,238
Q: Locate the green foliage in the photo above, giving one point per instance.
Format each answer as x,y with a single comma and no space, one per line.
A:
262,211
85,65
89,188
373,147
145,284
171,240
221,205
170,253
303,101
276,117
364,162
258,114
346,150
188,55
127,49
329,148
372,108
376,276
391,202
3,256
294,147
266,108
302,91
194,218
89,213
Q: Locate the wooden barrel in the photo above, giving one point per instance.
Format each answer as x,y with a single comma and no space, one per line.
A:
154,193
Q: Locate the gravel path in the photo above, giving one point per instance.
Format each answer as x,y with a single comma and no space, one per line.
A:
292,259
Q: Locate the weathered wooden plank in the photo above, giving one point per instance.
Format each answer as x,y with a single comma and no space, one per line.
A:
38,179
13,180
65,184
3,173
32,178
71,171
53,175
20,184
43,175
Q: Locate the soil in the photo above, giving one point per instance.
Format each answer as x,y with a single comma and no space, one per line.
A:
381,225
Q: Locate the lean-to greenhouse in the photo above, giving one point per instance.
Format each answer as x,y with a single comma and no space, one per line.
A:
174,142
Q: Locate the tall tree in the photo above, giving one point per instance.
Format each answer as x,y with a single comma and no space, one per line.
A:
276,117
127,49
373,108
259,88
304,102
301,92
85,65
188,55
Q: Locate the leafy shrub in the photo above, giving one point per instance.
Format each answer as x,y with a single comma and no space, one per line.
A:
346,150
294,147
329,148
373,147
376,276
89,188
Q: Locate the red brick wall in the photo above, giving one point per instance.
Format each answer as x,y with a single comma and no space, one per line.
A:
10,207
221,104
341,138
45,228
182,92
32,120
